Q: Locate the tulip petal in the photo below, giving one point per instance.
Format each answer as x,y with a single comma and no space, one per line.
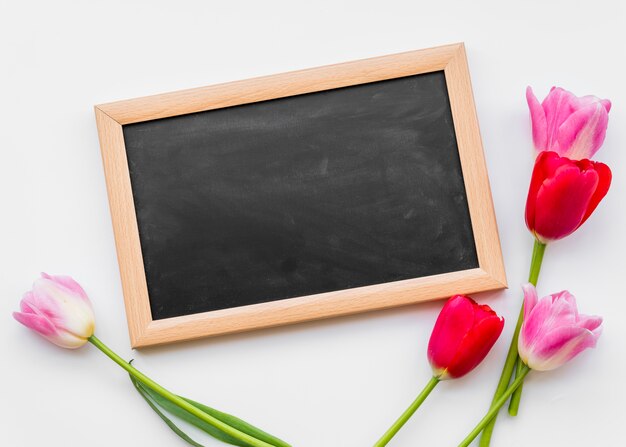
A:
37,323
530,299
604,183
546,164
582,133
476,345
558,105
46,328
560,345
591,99
564,200
69,283
538,120
27,304
454,321
534,321
551,311
590,322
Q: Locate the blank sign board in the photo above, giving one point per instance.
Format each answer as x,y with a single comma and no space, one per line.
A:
299,196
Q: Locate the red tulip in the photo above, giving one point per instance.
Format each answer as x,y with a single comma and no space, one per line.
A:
463,335
563,193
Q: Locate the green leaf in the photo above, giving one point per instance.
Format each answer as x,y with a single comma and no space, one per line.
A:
165,419
208,428
188,417
240,425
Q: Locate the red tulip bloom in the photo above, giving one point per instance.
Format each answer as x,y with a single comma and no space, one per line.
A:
463,335
563,193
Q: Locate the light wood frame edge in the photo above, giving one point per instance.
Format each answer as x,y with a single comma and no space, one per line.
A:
111,117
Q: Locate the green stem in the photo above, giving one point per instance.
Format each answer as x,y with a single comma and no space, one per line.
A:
511,356
408,413
174,398
539,248
535,266
493,411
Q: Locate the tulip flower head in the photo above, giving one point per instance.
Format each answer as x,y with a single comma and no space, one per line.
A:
462,337
571,126
553,331
563,193
58,309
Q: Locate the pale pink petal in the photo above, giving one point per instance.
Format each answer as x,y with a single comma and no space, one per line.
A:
67,340
566,296
67,311
538,120
44,296
37,323
558,105
530,298
591,99
27,304
67,282
582,133
553,340
44,327
534,321
589,322
563,311
560,346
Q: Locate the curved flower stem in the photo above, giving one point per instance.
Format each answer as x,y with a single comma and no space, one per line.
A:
511,356
174,398
493,411
408,413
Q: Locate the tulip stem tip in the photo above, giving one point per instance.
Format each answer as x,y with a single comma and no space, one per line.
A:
432,383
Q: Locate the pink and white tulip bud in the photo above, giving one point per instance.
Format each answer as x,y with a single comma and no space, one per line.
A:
554,332
572,127
58,309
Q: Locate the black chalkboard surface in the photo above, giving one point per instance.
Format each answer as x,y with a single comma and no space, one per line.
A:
301,195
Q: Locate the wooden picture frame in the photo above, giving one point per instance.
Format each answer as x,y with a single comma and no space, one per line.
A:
111,117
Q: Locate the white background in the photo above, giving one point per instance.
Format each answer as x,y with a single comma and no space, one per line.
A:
335,383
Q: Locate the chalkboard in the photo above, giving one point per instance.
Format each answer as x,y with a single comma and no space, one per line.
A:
303,195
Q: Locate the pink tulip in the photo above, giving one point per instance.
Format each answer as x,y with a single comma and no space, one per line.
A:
463,335
570,126
553,331
58,309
